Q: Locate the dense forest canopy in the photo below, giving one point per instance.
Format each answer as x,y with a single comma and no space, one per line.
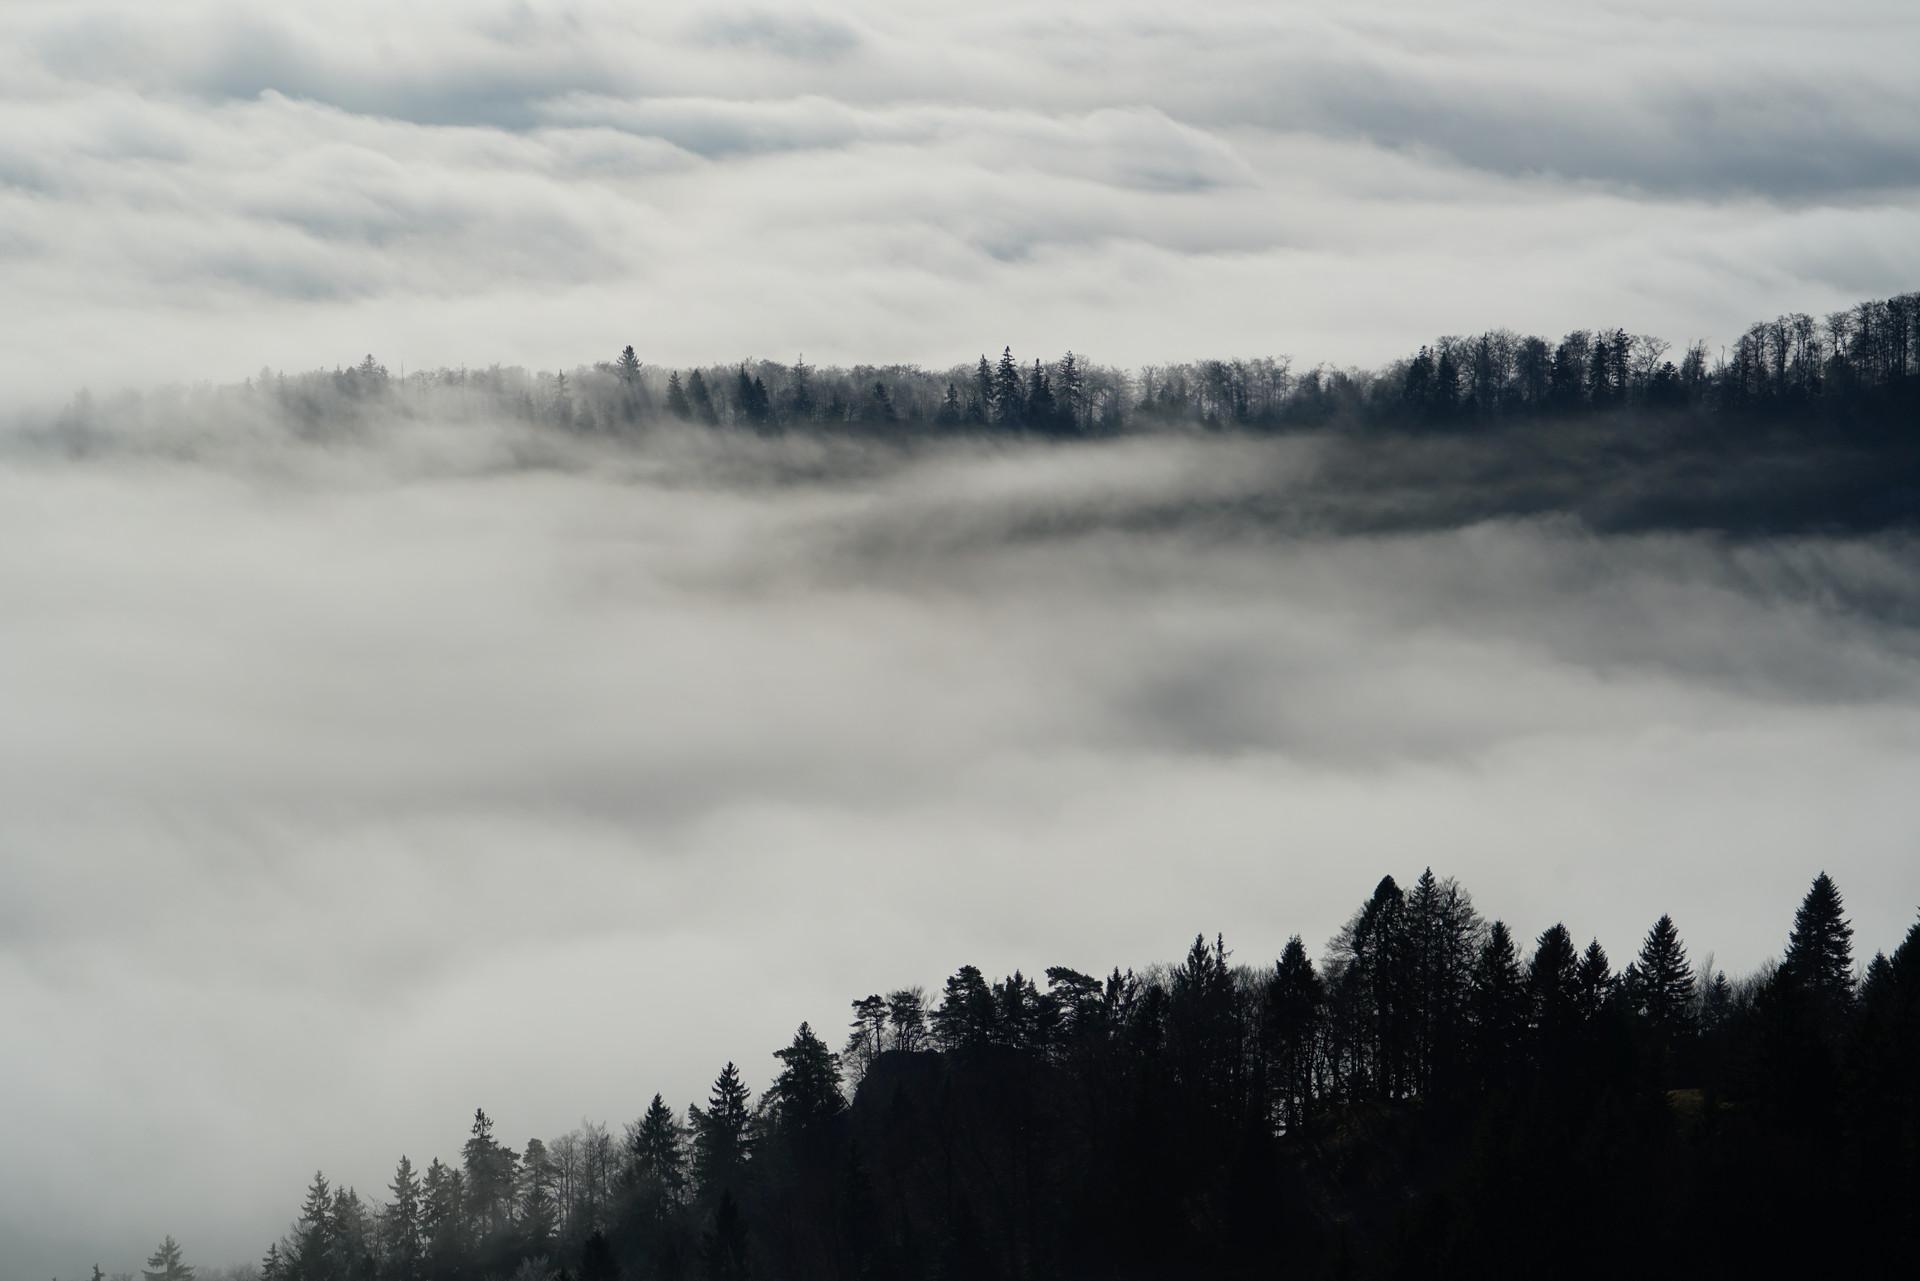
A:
1431,1096
1852,367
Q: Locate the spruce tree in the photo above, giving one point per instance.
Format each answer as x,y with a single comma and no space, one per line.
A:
677,404
720,1133
1594,981
1009,400
400,1225
808,1086
1662,985
1819,957
1553,982
627,368
657,1155
700,398
1499,1006
164,1263
1290,1024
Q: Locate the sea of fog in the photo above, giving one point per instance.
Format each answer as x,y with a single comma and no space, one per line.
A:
348,785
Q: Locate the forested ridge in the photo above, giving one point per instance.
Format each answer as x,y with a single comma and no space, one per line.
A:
1802,425
1433,1097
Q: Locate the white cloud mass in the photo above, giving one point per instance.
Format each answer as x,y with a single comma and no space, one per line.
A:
343,789
346,786
194,188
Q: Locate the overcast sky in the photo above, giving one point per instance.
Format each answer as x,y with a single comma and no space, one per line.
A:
344,790
192,188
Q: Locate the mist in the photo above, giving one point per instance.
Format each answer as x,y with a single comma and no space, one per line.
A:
348,783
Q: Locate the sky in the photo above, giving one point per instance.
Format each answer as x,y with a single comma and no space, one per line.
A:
191,189
344,789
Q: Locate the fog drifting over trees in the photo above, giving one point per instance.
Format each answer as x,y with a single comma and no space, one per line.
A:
1084,474
500,736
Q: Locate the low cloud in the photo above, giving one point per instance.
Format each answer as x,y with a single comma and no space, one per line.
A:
365,774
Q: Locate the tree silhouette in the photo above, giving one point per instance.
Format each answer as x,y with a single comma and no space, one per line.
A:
1819,956
164,1263
720,1139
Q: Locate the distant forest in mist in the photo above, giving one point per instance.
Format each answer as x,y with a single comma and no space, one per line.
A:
1432,1098
1802,423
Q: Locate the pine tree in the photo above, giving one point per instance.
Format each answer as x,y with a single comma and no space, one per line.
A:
657,1155
1594,981
982,399
1443,932
164,1263
1499,1005
965,1016
700,398
443,1218
1553,983
1819,957
800,392
627,368
808,1086
400,1224
539,1213
1042,413
489,1169
1662,985
312,1252
720,1137
866,1036
1009,401
1073,394
677,398
1290,1024
273,1266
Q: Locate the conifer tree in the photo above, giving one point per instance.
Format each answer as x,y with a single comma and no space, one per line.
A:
807,1088
539,1213
720,1133
965,1016
866,1035
1662,983
1009,401
1499,1005
401,1225
1819,958
657,1155
1553,982
1290,1025
983,386
1594,981
164,1263
700,398
677,404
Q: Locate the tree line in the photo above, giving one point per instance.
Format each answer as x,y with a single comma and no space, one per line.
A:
1431,1097
1859,366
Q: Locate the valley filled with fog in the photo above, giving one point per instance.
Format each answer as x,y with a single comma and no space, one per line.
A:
457,758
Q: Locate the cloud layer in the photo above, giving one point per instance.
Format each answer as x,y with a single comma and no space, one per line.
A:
345,787
193,189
